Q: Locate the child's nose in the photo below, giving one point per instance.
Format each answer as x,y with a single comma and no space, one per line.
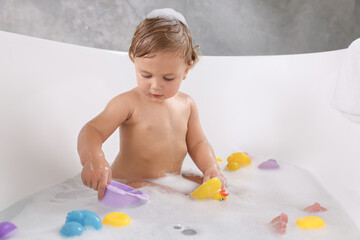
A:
156,84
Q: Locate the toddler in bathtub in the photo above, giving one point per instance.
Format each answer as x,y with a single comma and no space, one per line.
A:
158,124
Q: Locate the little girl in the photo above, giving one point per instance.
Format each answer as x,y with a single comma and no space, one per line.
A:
158,124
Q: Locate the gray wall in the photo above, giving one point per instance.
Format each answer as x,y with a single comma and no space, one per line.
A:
229,27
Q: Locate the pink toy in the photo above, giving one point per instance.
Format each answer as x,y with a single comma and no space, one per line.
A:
269,164
120,195
316,207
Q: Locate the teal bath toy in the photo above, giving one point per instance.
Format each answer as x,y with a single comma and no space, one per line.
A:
71,229
77,221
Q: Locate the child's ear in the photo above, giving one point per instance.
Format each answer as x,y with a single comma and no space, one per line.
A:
187,69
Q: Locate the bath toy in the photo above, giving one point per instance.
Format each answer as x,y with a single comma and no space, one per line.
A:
316,207
77,221
218,159
85,218
210,189
116,219
310,222
120,195
279,223
237,160
6,229
71,229
269,164
233,166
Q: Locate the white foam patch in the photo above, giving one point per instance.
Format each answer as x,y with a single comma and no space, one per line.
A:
256,197
168,13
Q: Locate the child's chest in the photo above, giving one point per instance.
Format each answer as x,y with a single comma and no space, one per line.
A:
161,120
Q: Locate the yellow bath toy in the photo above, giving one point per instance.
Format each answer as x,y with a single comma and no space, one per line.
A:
210,189
218,159
220,196
237,160
310,222
116,219
232,166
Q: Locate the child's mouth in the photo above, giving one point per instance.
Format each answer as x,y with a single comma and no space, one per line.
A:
156,96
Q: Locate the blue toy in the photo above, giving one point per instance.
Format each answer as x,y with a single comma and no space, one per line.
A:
85,218
77,221
71,229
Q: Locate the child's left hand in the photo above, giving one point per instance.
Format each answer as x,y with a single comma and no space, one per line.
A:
215,171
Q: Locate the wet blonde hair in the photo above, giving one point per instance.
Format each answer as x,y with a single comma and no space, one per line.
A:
163,35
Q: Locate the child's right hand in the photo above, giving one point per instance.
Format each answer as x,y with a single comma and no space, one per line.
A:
215,171
96,174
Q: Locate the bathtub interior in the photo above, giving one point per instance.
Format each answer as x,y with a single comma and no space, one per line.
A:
256,197
270,106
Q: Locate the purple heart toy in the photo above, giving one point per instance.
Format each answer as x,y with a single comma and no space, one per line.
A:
121,195
269,164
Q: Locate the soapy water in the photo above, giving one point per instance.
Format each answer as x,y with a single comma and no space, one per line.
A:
256,197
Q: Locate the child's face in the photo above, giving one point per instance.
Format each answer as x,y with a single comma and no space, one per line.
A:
160,77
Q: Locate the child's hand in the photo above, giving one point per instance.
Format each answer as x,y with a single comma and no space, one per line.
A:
212,172
96,174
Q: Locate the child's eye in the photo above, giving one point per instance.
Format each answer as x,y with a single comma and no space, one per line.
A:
168,79
146,76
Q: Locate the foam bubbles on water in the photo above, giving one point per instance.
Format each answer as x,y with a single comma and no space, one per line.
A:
256,197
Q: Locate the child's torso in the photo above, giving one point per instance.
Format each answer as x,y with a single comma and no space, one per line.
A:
153,139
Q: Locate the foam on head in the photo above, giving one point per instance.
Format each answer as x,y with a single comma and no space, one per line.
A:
167,13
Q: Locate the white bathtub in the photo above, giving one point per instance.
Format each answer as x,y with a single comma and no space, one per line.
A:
276,106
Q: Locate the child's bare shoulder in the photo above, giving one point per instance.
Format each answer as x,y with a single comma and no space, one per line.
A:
187,99
129,95
122,103
124,99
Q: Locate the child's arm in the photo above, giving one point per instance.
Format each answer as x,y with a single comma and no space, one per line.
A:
96,171
199,148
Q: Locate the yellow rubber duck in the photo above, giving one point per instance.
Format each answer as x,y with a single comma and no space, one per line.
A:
310,222
210,189
237,160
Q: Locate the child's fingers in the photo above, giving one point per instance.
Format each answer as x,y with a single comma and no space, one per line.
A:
95,184
89,183
84,178
101,193
84,181
102,186
206,177
223,183
109,178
